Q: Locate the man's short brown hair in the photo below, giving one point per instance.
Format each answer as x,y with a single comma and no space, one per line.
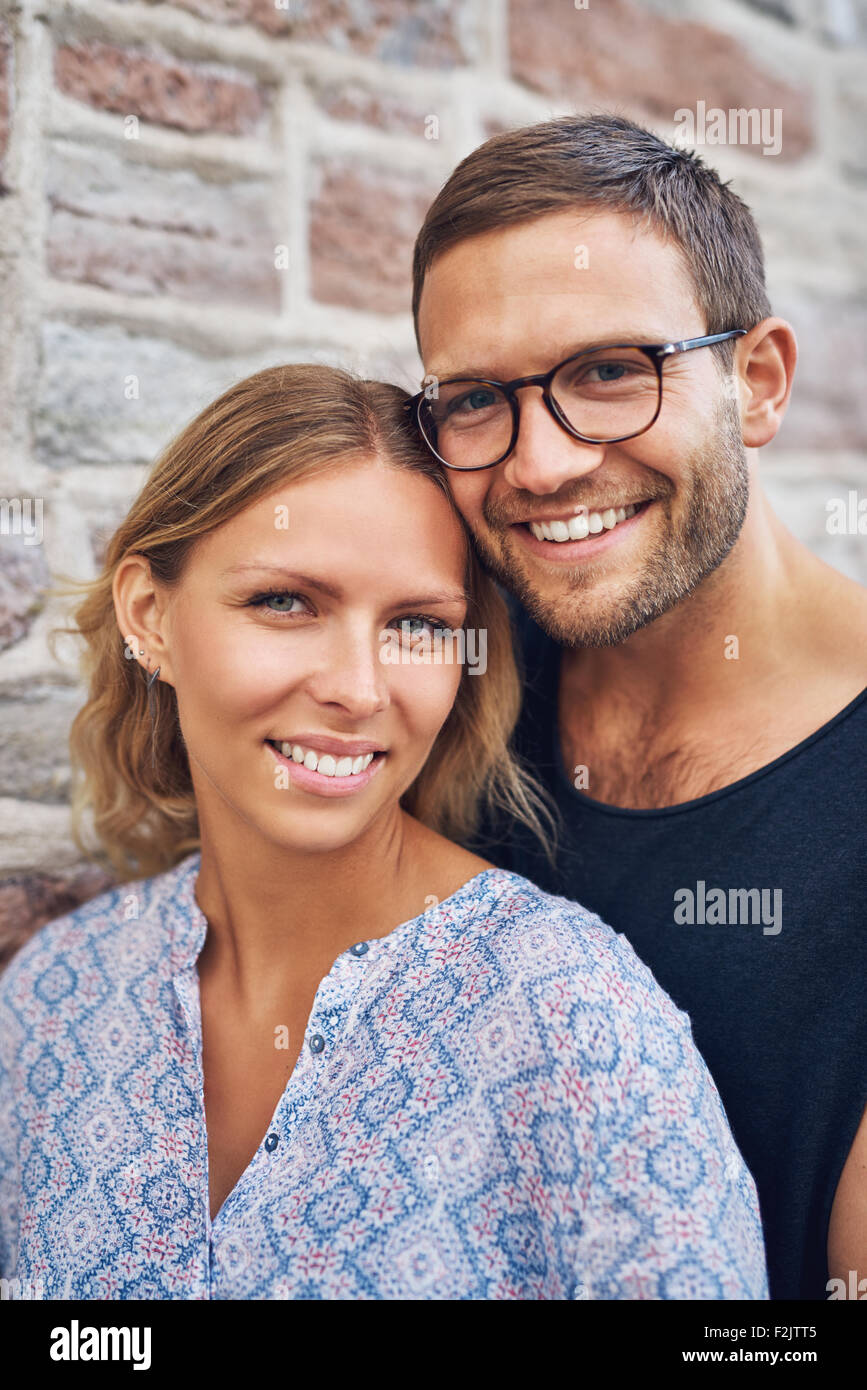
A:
607,162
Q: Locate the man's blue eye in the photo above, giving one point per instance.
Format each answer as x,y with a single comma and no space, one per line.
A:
475,400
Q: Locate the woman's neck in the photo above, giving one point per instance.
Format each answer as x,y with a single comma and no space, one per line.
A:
277,919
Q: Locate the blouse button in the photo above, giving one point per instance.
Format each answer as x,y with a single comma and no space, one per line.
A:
359,949
271,1142
317,1042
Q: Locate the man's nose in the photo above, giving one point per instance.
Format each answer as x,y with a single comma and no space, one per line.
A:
545,456
352,675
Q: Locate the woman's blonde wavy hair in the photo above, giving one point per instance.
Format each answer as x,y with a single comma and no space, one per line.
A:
275,427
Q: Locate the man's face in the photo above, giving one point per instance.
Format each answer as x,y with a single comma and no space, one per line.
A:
511,302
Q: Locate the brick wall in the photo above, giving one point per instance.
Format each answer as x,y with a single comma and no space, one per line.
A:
192,191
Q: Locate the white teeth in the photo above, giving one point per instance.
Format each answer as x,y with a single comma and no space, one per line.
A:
579,527
324,763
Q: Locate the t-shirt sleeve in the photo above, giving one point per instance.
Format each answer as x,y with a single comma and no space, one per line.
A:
670,1210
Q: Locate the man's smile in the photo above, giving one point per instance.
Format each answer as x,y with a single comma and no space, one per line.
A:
579,522
568,536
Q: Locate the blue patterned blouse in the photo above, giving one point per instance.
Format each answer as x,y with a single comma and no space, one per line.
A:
495,1101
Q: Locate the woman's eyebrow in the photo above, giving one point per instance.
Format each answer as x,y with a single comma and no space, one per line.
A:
444,596
295,576
310,582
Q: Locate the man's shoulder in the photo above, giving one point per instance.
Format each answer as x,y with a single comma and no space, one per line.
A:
835,623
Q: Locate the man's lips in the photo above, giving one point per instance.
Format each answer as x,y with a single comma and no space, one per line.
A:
566,514
577,549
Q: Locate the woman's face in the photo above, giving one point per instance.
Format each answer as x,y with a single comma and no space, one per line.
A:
274,648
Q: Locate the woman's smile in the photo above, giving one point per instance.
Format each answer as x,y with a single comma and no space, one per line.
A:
325,772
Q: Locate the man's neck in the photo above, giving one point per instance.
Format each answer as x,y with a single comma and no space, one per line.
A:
768,648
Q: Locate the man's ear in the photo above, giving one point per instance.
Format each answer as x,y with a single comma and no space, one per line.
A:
764,366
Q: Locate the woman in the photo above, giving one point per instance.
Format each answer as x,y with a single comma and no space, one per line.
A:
309,1047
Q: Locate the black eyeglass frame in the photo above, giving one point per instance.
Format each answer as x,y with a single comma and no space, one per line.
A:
657,352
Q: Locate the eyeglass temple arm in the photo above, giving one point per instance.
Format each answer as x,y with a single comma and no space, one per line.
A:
686,344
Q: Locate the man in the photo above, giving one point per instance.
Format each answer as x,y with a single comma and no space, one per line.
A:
695,679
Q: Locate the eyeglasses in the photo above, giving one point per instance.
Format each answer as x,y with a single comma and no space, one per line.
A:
601,396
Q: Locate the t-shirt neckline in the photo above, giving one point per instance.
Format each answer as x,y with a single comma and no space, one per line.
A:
696,803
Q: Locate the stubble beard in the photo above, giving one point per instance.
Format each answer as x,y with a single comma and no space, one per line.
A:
716,505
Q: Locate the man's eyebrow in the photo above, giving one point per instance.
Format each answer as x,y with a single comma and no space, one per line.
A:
309,581
557,354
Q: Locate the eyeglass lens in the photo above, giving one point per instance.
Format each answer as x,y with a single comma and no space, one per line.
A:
603,395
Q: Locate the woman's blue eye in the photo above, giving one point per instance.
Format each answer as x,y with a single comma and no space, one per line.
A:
407,631
262,599
407,626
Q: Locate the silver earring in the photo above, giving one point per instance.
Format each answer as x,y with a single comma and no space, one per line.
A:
151,703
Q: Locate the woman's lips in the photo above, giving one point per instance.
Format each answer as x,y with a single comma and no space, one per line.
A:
317,782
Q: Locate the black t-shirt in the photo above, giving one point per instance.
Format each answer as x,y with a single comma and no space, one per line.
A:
774,982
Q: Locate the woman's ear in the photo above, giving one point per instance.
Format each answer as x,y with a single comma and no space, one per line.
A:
764,367
139,615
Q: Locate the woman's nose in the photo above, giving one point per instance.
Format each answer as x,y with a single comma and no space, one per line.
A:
352,675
